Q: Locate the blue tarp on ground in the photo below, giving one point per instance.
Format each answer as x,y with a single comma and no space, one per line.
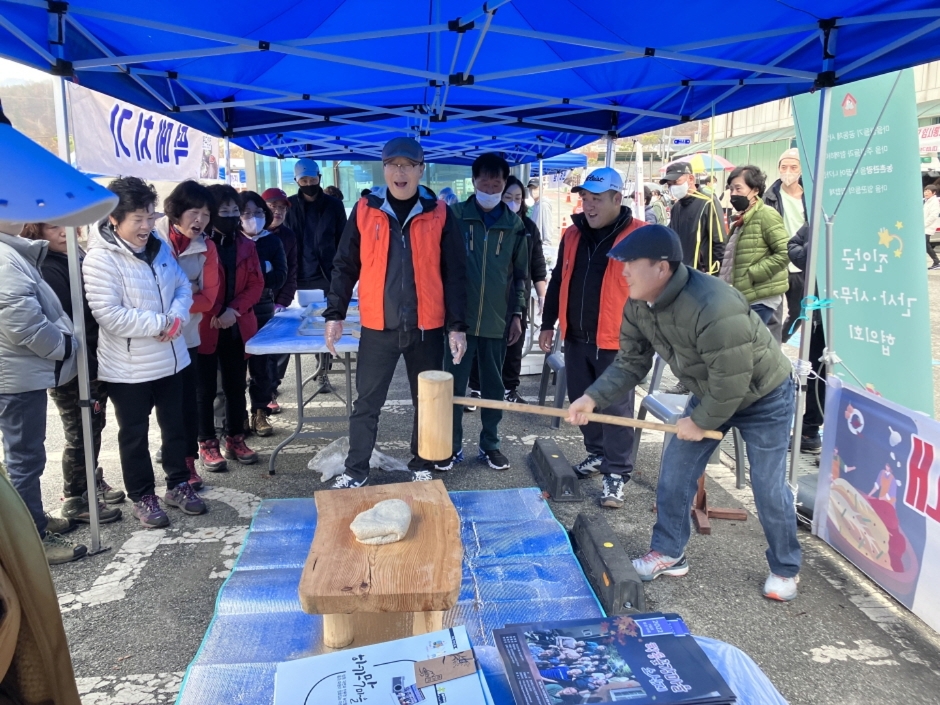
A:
336,78
518,567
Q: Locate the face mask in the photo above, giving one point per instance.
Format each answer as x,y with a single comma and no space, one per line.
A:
226,224
679,191
789,178
253,226
514,207
312,191
740,203
488,201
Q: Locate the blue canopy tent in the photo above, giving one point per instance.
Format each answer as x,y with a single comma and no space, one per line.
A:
563,162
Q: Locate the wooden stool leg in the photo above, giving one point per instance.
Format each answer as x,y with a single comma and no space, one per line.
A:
337,630
426,622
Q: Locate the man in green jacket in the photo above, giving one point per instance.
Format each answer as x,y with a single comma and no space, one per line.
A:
497,262
721,350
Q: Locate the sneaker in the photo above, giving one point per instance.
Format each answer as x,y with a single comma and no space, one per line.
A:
654,564
779,588
259,423
444,465
184,498
473,394
150,513
421,476
345,482
105,491
589,467
209,454
936,265
58,550
273,406
512,395
811,445
77,509
235,449
613,491
158,456
60,525
194,480
678,388
494,459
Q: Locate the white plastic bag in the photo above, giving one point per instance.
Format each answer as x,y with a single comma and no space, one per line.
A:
330,461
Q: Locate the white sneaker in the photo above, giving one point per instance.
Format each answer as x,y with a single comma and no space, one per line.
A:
590,466
344,482
421,476
779,588
654,564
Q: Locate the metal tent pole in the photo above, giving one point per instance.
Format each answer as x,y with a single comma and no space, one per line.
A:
638,196
78,322
541,222
228,162
609,158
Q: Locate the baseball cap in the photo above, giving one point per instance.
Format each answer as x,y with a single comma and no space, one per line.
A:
601,180
272,195
675,170
306,167
656,242
792,153
533,182
404,147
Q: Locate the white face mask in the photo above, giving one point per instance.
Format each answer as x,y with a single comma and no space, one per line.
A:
789,178
253,226
513,206
488,201
679,191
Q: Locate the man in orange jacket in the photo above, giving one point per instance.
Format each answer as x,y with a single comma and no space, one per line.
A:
586,295
405,249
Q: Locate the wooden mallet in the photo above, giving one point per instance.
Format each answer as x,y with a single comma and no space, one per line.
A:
435,415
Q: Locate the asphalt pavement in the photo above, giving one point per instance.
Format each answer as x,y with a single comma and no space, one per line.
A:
136,613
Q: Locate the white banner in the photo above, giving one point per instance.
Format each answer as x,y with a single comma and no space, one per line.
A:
114,138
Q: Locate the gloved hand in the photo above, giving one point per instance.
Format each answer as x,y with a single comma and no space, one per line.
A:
458,345
334,331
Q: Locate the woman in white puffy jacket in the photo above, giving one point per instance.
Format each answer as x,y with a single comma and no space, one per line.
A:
141,300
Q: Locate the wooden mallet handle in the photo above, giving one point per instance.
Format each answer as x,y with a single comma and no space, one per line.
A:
561,413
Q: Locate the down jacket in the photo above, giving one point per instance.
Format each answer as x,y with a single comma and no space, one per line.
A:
711,340
755,261
134,299
37,349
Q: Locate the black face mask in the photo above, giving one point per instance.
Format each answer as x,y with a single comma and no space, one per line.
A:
311,191
226,224
740,203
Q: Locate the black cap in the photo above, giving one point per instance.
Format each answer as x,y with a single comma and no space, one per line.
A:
656,242
533,182
675,170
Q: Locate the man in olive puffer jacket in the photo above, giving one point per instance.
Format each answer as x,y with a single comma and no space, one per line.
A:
718,347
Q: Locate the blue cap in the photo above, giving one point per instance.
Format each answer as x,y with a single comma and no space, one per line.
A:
655,242
306,167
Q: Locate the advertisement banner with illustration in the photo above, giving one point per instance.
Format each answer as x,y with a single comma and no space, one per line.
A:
881,314
114,138
878,496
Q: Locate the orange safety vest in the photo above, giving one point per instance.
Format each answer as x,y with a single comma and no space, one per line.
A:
425,235
614,289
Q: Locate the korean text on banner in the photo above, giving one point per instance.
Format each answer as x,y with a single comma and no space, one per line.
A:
878,495
881,315
114,138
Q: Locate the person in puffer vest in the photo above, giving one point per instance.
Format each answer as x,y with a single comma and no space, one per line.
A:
141,300
404,248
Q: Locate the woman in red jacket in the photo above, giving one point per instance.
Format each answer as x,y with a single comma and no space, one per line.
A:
223,332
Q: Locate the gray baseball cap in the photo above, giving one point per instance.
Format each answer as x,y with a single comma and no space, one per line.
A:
404,147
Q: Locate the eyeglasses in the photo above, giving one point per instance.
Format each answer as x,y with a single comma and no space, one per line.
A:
248,215
278,209
403,168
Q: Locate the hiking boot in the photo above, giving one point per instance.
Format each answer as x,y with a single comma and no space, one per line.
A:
421,476
150,513
589,467
59,525
512,395
473,394
235,449
613,491
184,498
344,482
811,444
259,423
58,550
194,480
209,454
444,465
678,388
780,588
77,509
654,564
494,459
105,491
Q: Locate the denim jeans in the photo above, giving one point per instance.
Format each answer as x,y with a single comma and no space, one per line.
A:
23,426
765,426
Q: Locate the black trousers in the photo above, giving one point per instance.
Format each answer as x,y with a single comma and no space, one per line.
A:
930,251
229,359
190,403
584,363
261,380
794,301
66,399
279,365
815,389
132,406
379,351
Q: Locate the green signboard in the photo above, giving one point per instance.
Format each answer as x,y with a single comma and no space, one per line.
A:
881,311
